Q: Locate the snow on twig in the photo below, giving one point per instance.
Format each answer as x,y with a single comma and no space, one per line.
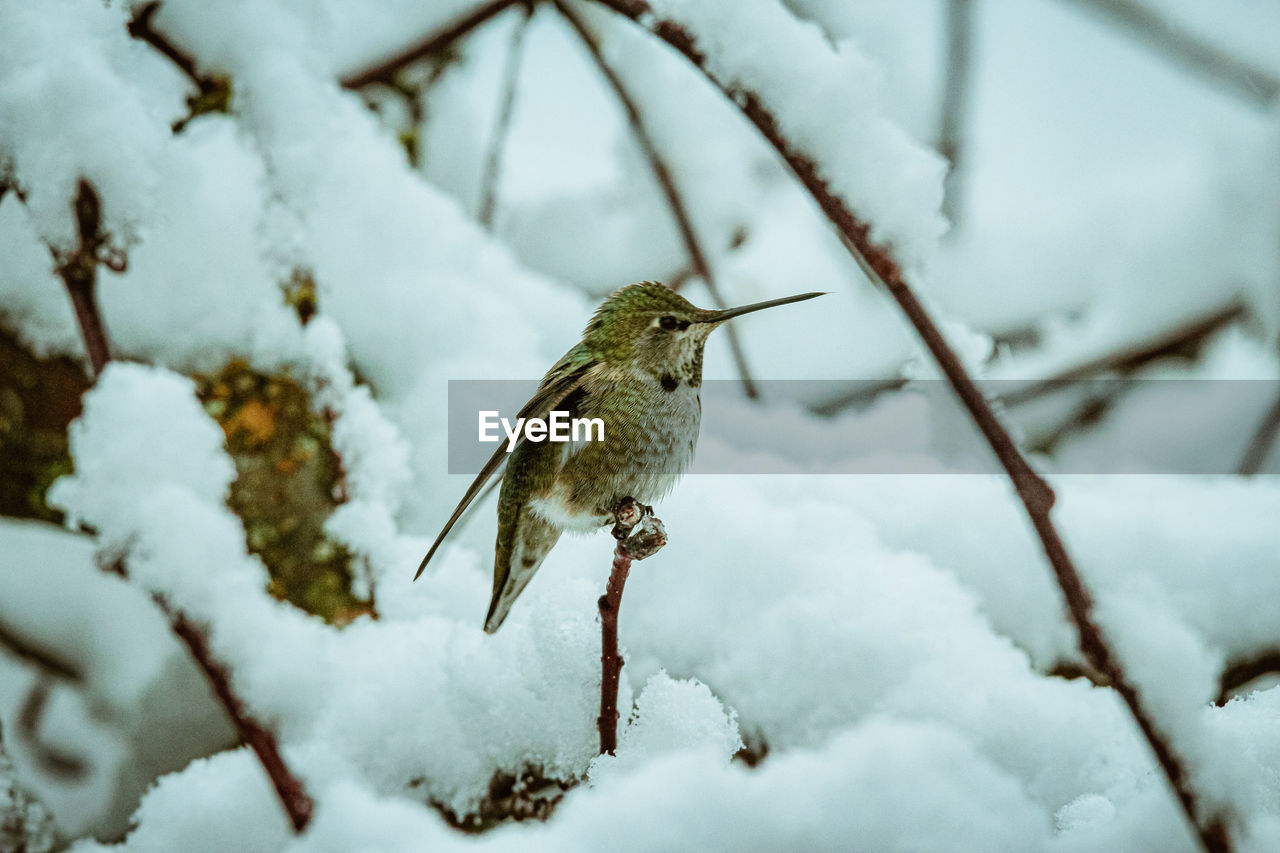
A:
879,261
386,71
699,266
79,273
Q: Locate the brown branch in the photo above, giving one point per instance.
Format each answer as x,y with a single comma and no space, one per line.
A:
610,660
292,793
52,761
1182,338
213,91
290,790
1176,42
386,71
79,272
1185,338
955,100
1036,495
698,263
639,536
140,28
502,126
1241,672
1255,455
45,661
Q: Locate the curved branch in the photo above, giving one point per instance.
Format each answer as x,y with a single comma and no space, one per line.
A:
45,661
140,28
78,271
1240,672
1264,436
502,127
54,762
1036,495
293,794
698,263
1177,43
386,71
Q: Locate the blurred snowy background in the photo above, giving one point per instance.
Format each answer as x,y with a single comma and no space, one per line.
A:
317,242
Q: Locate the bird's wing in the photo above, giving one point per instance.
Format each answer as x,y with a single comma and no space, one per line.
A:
562,380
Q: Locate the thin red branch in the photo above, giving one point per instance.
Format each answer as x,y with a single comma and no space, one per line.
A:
502,126
639,536
292,793
610,660
386,71
1036,495
79,272
698,263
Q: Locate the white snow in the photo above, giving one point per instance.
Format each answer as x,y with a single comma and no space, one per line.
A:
885,637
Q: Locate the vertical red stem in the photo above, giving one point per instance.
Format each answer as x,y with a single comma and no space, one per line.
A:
610,660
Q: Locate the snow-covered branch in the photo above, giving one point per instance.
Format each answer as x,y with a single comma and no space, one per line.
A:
386,70
735,69
699,265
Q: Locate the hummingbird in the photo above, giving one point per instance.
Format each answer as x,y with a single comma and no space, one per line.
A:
638,368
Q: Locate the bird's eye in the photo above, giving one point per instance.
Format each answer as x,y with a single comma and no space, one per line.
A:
668,322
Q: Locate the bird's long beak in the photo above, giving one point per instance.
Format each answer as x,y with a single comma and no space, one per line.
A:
730,313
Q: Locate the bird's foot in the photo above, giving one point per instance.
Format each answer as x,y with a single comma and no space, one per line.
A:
627,515
639,533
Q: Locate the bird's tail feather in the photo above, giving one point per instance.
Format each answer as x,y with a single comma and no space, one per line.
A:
534,538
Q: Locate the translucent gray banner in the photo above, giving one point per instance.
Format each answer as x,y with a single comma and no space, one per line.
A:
1100,426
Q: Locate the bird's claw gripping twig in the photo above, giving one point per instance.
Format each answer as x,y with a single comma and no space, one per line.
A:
639,533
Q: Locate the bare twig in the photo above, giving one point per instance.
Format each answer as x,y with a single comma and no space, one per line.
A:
293,794
502,125
955,100
50,668
1185,336
79,272
213,91
1036,495
140,27
290,790
1240,672
1255,455
639,536
1177,43
29,653
51,760
610,660
698,263
386,71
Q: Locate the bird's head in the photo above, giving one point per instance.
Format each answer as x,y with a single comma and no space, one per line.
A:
650,326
